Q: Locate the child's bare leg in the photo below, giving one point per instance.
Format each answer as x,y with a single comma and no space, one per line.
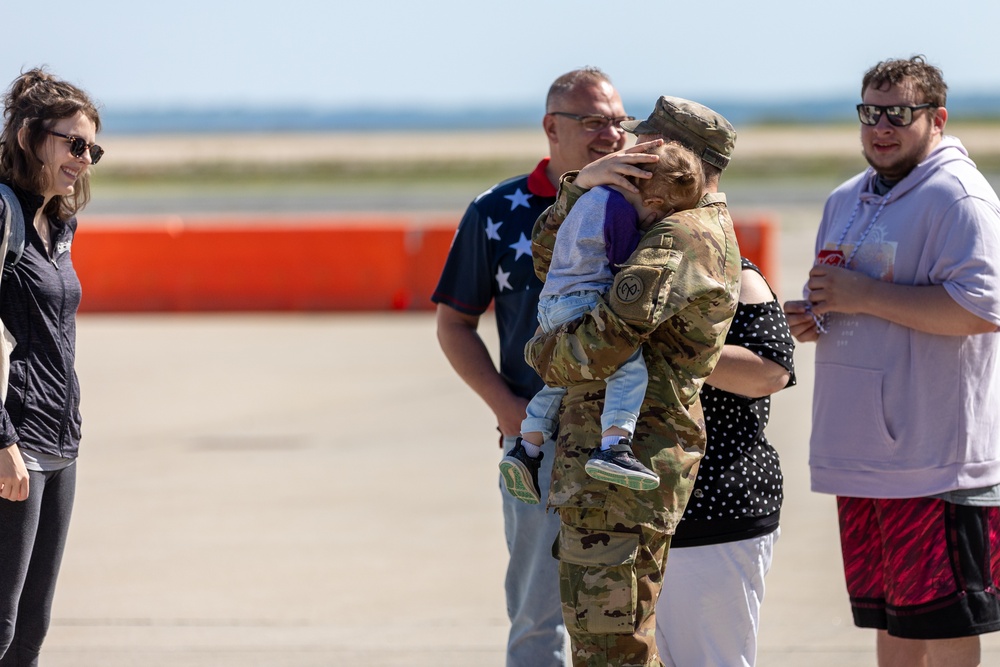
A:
532,442
612,435
534,437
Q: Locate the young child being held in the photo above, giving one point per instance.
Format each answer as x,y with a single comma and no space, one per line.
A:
601,231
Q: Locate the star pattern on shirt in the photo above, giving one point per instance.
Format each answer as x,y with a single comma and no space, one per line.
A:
518,199
522,247
493,229
503,279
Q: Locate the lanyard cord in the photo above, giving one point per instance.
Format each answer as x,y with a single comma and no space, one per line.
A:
822,321
864,234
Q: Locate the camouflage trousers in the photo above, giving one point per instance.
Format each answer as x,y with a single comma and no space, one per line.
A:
609,580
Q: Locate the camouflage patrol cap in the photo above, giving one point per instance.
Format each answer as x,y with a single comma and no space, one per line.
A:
707,133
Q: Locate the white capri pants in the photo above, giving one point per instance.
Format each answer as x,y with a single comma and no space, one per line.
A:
708,612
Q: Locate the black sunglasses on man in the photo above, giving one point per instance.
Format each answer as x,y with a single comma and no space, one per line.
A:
897,114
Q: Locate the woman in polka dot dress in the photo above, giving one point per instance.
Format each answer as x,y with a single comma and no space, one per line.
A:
708,611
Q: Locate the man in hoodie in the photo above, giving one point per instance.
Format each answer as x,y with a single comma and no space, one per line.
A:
904,305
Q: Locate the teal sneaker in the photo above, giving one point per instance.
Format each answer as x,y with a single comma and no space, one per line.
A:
520,474
618,465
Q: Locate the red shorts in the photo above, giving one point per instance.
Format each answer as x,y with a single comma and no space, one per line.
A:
921,568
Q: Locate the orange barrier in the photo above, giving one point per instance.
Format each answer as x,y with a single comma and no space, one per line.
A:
758,239
329,263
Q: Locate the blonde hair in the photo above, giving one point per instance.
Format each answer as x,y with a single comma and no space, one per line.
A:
678,178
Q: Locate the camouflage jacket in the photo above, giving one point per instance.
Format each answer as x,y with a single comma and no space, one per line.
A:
675,297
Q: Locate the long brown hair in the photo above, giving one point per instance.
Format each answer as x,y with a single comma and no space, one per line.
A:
35,101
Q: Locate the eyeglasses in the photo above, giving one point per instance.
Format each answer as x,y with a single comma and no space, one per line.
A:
898,115
77,146
595,122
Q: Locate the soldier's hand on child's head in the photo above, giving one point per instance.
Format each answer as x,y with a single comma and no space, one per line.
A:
615,168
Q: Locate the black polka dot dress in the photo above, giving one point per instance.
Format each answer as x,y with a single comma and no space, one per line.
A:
738,493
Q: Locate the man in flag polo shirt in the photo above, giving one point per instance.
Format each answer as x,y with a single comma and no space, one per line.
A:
490,263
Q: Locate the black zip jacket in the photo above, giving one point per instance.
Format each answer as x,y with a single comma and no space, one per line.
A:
38,305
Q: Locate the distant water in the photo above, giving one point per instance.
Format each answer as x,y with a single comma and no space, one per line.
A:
233,119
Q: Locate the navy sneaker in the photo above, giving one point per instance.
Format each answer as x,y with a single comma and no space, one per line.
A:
520,474
618,465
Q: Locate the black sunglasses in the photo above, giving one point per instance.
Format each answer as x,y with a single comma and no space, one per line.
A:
897,114
595,122
77,146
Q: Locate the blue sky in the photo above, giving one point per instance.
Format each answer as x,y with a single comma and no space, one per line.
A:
449,53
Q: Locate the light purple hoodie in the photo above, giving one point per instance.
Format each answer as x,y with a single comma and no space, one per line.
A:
898,413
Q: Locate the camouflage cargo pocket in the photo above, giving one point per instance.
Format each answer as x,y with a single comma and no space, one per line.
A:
597,579
642,288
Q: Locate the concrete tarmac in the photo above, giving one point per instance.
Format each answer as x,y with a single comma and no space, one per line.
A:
321,490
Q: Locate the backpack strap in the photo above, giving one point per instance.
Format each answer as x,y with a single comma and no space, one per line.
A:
13,229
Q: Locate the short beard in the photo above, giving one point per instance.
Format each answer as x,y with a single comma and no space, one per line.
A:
896,172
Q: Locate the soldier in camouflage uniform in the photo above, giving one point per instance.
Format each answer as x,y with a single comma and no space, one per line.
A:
675,297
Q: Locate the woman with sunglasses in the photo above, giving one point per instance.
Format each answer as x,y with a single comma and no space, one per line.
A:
46,149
